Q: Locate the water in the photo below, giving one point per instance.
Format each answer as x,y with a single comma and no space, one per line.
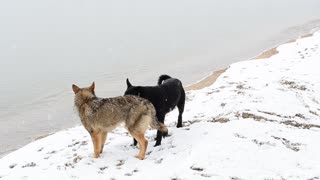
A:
45,46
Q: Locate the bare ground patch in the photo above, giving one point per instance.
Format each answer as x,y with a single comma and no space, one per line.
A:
300,125
293,146
293,85
246,115
220,120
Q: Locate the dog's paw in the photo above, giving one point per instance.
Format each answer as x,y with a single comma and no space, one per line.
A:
139,157
96,155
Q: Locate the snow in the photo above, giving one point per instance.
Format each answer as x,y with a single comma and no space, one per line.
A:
259,120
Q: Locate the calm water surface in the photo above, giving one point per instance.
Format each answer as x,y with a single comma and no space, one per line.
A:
45,46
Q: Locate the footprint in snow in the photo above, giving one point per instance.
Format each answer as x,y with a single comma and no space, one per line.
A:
52,152
120,163
102,169
175,178
148,153
158,161
235,178
206,175
314,178
76,159
195,168
31,164
68,165
72,145
130,174
171,146
200,169
13,165
239,136
74,177
261,143
83,143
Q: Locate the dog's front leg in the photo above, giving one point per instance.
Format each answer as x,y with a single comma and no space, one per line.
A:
103,140
96,140
160,117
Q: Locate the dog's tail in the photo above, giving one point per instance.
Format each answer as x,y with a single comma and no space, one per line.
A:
154,123
162,78
159,126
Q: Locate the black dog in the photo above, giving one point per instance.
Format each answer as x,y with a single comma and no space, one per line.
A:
166,96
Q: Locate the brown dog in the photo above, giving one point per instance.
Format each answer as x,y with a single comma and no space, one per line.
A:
101,115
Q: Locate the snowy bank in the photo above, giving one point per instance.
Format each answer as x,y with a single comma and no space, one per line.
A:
259,120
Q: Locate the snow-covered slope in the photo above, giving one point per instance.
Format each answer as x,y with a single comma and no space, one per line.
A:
260,120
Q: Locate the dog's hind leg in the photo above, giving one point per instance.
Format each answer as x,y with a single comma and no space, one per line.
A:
143,143
96,140
103,140
158,138
137,131
181,108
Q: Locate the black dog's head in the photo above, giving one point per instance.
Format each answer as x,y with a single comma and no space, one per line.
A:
133,90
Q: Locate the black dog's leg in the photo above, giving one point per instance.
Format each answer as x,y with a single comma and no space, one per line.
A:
158,138
134,142
159,133
181,108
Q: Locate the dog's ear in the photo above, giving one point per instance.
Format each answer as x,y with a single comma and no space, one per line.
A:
91,88
75,88
128,83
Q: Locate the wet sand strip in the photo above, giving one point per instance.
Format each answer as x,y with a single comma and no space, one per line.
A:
208,81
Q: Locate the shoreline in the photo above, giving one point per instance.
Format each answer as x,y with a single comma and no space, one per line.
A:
211,79
203,83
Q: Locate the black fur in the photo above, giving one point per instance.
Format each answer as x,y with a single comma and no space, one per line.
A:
168,94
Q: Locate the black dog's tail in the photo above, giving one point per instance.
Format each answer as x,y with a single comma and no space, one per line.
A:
162,78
